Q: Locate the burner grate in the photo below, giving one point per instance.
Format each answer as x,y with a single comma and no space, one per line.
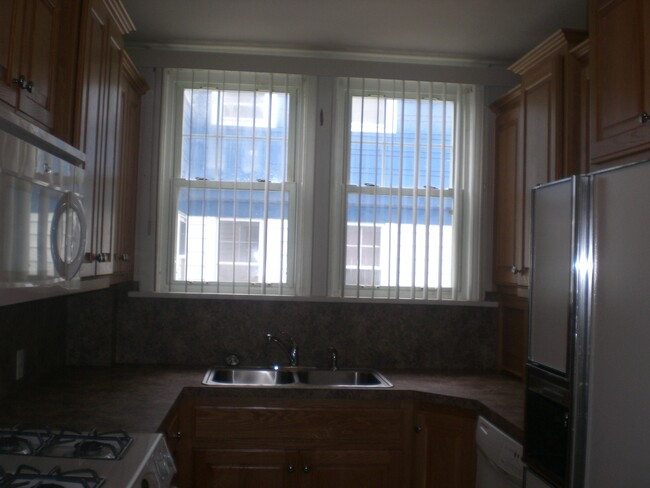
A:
90,445
28,476
24,440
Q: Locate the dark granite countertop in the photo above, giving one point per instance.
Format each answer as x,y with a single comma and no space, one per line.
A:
137,398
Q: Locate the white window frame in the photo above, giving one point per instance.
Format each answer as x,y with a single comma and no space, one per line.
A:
298,169
467,195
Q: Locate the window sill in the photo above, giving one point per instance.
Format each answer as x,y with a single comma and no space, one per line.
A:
279,298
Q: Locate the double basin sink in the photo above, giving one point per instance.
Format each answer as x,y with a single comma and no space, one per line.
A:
336,378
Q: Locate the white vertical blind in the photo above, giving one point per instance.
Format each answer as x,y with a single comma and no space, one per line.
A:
406,176
232,194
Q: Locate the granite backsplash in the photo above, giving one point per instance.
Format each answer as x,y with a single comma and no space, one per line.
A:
107,327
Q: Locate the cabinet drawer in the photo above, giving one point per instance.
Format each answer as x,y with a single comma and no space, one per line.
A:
302,426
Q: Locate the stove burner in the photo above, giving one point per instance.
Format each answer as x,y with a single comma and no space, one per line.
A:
25,476
23,440
14,445
89,445
95,449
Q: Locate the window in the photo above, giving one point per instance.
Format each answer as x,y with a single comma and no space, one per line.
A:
405,188
231,181
244,207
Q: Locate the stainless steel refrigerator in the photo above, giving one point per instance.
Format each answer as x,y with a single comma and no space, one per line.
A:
589,344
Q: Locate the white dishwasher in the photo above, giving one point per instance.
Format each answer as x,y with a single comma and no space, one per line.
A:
498,458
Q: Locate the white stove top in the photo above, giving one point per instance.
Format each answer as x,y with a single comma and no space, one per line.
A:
147,458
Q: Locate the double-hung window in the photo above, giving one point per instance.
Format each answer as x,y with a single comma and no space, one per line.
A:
407,189
230,182
243,209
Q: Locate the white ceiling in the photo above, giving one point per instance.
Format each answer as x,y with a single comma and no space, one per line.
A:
477,30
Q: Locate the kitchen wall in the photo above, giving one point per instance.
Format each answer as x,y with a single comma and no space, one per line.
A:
39,329
106,327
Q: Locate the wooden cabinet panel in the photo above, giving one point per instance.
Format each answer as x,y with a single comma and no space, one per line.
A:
11,21
508,203
224,468
309,426
91,121
513,334
576,103
620,77
39,57
445,451
132,87
350,469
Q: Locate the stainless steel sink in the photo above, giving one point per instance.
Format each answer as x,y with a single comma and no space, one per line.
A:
342,377
363,378
243,376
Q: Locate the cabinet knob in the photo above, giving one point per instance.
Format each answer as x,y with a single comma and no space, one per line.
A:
644,117
417,429
290,468
22,82
515,270
306,468
176,435
124,257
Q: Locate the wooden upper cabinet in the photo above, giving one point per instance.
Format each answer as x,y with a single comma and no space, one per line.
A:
99,128
620,78
38,60
531,139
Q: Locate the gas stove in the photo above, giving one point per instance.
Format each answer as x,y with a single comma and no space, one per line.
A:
48,458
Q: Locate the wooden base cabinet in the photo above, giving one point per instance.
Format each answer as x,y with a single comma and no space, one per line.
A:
445,450
229,443
321,443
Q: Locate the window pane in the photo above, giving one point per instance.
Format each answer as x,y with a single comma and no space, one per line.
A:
400,179
234,135
230,234
401,151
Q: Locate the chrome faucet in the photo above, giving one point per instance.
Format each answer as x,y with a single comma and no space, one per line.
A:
290,350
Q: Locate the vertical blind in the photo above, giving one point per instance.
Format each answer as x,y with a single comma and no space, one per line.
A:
405,183
233,188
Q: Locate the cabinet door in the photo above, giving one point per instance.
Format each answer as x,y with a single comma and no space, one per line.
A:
11,21
350,469
106,223
98,133
132,87
38,60
620,37
445,451
507,200
221,468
